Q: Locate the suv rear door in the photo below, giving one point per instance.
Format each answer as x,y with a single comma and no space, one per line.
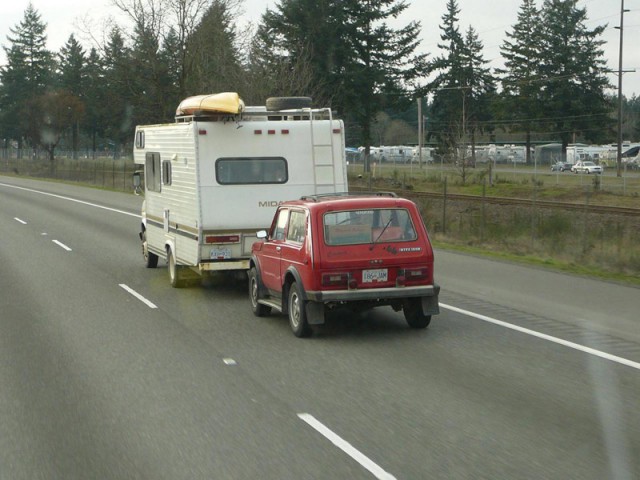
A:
375,246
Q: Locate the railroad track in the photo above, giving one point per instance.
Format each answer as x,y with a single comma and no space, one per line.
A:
591,208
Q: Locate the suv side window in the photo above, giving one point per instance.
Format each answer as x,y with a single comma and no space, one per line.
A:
280,225
297,227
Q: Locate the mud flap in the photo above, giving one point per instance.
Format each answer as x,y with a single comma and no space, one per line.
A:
430,305
315,313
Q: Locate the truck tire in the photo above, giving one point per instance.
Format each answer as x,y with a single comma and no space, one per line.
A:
175,274
297,313
258,309
150,259
287,103
414,315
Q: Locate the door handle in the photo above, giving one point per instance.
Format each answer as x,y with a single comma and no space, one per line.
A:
278,249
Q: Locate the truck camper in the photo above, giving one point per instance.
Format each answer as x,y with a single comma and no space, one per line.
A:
215,177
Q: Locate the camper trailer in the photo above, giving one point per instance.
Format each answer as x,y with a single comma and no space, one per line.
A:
214,177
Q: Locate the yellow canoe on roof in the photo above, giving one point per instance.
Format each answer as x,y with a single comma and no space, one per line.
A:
225,102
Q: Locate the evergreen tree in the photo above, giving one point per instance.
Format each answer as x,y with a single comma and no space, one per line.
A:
360,64
119,89
521,88
151,83
449,84
27,74
571,69
95,98
381,65
293,49
479,93
72,78
213,61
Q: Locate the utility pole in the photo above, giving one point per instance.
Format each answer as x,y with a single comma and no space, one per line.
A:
420,132
619,151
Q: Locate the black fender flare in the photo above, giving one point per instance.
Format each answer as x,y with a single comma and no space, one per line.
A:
292,272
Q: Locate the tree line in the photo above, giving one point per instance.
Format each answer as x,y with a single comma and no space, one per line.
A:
346,54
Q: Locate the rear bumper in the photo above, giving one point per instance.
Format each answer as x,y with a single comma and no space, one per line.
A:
373,294
226,265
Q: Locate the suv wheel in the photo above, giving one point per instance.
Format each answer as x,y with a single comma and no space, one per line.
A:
297,312
259,310
414,315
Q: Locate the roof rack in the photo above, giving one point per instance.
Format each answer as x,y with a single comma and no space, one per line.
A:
321,196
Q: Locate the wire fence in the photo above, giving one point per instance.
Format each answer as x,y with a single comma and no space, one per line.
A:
104,170
580,232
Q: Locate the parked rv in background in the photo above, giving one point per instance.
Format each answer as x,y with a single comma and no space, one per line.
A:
215,177
388,154
508,154
428,155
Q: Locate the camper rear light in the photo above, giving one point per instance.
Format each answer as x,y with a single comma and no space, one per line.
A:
335,279
222,239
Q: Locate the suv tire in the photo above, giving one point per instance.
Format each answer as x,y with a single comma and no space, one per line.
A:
414,315
297,313
258,309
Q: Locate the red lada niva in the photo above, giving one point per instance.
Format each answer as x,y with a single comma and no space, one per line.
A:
355,250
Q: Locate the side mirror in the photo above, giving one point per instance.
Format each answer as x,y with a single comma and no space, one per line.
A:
262,234
137,183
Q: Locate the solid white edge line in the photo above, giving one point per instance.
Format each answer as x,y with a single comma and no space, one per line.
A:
71,199
19,220
544,336
62,245
346,447
148,303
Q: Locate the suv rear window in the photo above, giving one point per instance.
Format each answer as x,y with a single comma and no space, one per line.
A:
352,227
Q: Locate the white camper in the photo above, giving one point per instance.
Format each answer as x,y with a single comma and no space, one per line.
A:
214,177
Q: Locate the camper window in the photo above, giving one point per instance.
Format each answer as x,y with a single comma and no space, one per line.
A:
152,171
251,170
166,172
140,139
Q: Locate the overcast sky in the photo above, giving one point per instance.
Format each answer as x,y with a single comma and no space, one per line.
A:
490,18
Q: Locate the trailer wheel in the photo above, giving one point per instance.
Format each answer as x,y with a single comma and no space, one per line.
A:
287,103
150,259
175,276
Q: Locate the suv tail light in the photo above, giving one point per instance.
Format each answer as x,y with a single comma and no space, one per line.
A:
335,279
408,275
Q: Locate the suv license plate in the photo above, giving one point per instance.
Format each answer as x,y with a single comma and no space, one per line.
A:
371,276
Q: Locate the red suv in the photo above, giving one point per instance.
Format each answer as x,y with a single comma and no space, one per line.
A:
354,250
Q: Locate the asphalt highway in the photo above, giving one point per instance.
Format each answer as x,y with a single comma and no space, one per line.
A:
107,372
